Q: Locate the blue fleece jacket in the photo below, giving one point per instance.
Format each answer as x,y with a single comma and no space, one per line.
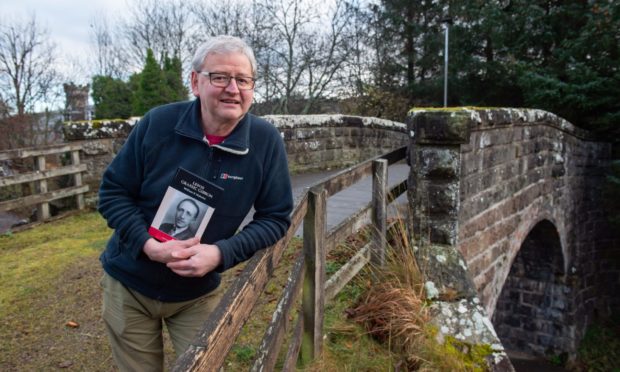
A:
250,165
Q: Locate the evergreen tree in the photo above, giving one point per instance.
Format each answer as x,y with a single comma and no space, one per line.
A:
173,75
151,89
407,42
481,69
576,73
561,56
112,97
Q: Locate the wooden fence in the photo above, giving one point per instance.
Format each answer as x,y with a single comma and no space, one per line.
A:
209,350
41,175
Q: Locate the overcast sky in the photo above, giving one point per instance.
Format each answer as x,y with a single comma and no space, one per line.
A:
67,21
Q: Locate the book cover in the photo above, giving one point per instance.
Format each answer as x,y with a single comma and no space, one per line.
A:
187,207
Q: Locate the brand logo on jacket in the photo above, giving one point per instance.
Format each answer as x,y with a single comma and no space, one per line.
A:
226,176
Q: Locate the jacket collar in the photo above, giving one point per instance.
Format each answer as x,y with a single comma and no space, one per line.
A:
190,125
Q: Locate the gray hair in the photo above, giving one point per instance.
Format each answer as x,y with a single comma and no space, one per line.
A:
222,44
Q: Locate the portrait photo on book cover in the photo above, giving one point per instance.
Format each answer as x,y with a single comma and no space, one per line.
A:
183,216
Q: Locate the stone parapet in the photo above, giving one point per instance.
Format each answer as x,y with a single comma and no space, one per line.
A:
97,129
313,142
321,142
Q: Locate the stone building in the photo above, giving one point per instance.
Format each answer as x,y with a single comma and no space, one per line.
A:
76,102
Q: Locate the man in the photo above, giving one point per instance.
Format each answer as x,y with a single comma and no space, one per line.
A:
186,213
147,282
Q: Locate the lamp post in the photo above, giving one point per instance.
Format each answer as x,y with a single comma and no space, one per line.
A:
446,21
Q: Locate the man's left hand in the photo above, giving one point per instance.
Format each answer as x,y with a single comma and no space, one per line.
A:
196,261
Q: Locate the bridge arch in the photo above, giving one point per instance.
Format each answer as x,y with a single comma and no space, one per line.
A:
493,184
528,229
531,314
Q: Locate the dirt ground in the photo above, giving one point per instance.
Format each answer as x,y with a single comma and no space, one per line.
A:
61,328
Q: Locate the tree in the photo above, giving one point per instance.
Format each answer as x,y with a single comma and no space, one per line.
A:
574,71
150,90
112,97
327,54
27,73
284,66
406,39
109,58
304,54
27,78
482,69
562,56
173,79
162,27
228,17
156,84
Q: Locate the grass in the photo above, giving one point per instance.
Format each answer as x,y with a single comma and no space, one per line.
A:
347,347
50,299
50,304
600,348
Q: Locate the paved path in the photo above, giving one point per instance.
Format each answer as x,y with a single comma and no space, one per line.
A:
344,203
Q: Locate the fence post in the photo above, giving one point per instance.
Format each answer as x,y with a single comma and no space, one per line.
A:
77,178
379,210
313,298
43,209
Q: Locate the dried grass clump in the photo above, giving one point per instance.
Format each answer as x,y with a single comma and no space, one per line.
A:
394,308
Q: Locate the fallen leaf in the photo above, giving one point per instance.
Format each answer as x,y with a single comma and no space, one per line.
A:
65,364
72,324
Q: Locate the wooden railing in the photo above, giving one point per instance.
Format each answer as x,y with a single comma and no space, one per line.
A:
209,350
41,175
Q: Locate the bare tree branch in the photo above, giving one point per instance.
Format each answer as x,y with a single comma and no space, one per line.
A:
27,73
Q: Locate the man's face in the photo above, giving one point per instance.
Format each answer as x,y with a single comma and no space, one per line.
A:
186,214
223,106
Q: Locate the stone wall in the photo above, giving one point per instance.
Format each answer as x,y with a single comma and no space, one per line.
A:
320,142
482,179
101,140
313,142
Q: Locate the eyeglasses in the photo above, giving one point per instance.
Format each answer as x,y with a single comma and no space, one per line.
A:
220,80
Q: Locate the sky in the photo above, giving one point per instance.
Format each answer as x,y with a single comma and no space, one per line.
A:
68,21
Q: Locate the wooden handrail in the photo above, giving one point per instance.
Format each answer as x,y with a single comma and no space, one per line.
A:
41,175
29,152
209,349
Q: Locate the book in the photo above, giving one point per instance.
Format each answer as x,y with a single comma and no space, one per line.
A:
187,207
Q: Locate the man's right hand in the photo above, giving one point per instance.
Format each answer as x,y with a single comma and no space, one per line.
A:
162,252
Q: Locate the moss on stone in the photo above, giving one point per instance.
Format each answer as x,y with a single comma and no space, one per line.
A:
442,126
472,356
454,355
416,110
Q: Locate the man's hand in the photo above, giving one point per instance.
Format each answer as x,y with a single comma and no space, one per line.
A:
162,252
195,261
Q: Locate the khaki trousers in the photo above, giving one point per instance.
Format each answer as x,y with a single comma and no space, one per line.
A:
134,324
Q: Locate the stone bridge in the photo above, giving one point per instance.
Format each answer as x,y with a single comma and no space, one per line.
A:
517,193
